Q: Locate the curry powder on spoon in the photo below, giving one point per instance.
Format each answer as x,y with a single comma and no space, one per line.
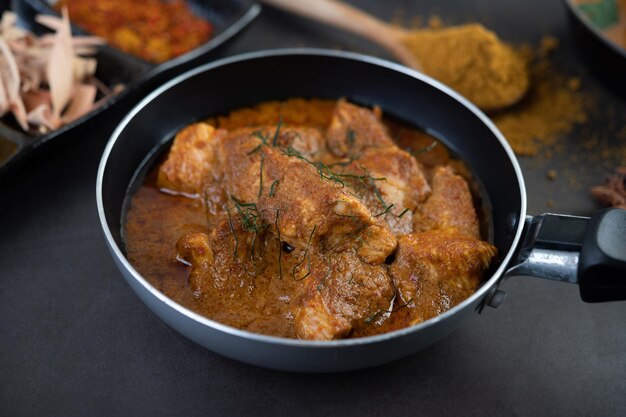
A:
473,61
545,105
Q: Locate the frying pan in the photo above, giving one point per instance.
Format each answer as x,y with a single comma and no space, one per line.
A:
591,252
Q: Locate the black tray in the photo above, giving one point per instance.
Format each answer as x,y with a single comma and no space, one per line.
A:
228,18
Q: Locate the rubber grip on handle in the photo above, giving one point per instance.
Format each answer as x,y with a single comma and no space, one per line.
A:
602,263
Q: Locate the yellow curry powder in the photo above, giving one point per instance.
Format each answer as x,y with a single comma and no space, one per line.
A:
471,60
551,109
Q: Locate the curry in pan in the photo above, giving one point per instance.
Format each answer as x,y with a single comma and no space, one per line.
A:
308,219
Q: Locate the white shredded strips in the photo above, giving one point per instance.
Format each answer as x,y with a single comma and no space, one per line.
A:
47,81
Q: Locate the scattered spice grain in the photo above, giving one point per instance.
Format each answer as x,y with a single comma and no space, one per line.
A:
552,175
550,110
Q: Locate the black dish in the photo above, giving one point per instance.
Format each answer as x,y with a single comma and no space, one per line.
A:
605,59
229,17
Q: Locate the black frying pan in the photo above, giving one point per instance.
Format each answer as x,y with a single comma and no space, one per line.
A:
576,249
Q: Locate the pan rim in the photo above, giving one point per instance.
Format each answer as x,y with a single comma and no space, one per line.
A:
343,343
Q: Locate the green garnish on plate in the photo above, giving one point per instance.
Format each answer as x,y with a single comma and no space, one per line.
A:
601,13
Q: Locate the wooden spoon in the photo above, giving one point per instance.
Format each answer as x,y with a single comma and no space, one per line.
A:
348,18
351,19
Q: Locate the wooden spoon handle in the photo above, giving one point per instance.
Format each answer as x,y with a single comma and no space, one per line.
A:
350,19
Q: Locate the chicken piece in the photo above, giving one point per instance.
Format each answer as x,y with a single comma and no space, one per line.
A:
340,295
391,184
222,260
308,141
386,178
202,154
191,159
354,129
449,205
375,243
437,269
227,268
194,249
305,140
238,169
310,202
311,208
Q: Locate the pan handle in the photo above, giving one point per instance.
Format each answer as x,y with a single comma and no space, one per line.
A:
588,251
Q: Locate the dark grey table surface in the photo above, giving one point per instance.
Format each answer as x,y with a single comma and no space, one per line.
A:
75,340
